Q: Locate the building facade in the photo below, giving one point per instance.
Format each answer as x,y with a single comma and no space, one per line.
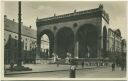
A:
83,34
114,41
79,33
11,42
123,45
114,44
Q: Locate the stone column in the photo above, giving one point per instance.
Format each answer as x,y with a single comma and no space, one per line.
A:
55,46
107,43
100,46
76,49
51,48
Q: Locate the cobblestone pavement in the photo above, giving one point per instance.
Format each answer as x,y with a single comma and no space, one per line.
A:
45,68
84,73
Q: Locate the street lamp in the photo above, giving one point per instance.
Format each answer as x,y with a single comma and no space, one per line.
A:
19,61
19,66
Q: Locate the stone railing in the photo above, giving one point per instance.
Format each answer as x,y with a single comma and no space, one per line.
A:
69,15
74,16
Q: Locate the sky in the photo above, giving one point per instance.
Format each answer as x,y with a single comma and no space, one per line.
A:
32,10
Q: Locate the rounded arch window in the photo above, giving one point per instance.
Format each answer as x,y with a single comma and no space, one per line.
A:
45,42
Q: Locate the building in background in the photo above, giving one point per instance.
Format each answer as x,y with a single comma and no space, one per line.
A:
116,47
114,43
123,46
28,39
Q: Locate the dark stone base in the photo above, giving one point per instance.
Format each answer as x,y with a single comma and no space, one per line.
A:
21,68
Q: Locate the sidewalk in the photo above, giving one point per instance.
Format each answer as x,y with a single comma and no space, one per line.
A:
37,68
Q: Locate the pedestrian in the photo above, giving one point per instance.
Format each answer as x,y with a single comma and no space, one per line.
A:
82,64
122,66
72,71
11,65
67,60
57,61
54,57
113,66
57,64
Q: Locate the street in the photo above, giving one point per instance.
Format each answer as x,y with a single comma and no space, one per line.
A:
84,73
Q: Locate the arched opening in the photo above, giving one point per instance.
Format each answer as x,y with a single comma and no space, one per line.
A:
87,37
64,42
46,44
104,41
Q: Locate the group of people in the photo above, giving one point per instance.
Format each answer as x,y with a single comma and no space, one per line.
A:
122,66
56,58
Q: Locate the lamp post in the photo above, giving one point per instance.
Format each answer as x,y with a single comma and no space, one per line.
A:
19,66
19,61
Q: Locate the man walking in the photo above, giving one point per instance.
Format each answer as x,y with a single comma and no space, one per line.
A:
113,66
82,64
11,65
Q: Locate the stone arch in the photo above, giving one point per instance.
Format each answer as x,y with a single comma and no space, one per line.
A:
50,36
87,37
64,42
104,41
